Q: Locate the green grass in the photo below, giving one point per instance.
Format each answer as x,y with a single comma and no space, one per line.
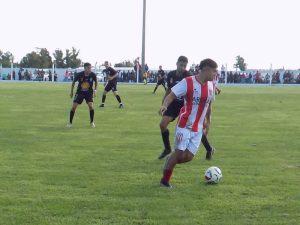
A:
109,175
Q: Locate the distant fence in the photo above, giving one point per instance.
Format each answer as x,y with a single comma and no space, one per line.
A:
128,75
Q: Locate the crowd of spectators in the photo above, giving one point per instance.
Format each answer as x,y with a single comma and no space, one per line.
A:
36,75
258,77
126,76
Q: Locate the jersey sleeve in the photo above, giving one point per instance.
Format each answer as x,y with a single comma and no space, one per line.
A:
180,89
94,77
76,77
169,80
112,71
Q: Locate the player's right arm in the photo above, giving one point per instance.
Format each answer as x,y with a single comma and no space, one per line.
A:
178,90
168,91
72,86
167,101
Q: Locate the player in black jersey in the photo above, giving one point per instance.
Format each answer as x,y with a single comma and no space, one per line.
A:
173,110
111,85
85,90
160,79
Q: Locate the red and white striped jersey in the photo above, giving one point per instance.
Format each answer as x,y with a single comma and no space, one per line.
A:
197,98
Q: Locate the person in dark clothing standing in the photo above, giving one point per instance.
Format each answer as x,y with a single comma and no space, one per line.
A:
85,90
111,85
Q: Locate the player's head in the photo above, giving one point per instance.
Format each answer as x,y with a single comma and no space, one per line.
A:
208,68
106,64
182,64
160,67
87,67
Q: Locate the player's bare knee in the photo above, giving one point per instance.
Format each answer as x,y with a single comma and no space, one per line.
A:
74,108
188,155
180,157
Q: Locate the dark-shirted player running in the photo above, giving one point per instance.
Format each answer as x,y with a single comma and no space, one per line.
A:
86,79
111,85
173,109
160,79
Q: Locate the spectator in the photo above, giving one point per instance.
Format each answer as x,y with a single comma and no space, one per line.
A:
298,79
20,75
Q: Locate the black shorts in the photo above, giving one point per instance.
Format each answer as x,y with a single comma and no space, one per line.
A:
87,95
110,86
174,109
161,82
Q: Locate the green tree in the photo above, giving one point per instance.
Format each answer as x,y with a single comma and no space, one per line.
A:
240,63
38,59
46,59
31,60
59,58
6,59
71,59
126,63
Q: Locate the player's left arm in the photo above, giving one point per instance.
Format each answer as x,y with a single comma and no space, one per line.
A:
114,74
207,120
217,91
96,85
112,77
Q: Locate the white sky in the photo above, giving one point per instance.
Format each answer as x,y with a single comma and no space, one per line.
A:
261,31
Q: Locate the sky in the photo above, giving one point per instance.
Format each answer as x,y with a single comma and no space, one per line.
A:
263,32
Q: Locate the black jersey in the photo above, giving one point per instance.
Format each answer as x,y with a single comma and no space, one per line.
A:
173,78
161,74
85,83
109,72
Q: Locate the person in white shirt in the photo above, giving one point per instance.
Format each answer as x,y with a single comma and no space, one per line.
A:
198,92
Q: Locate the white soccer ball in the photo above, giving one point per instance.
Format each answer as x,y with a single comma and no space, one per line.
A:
213,175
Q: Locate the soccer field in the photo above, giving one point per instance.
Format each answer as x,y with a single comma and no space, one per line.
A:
110,175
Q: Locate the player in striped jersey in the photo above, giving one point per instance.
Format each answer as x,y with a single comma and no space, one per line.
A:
198,92
173,110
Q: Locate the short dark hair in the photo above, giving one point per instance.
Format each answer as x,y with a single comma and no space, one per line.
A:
208,63
86,64
183,59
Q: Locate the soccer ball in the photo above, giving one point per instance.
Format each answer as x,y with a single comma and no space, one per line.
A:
213,175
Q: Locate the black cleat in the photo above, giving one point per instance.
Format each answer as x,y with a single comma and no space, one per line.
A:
165,184
102,105
164,153
209,154
121,106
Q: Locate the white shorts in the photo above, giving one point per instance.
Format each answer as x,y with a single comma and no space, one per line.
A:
187,139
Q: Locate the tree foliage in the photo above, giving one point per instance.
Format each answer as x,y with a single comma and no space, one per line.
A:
41,59
46,59
240,63
59,58
37,59
126,63
6,59
71,59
